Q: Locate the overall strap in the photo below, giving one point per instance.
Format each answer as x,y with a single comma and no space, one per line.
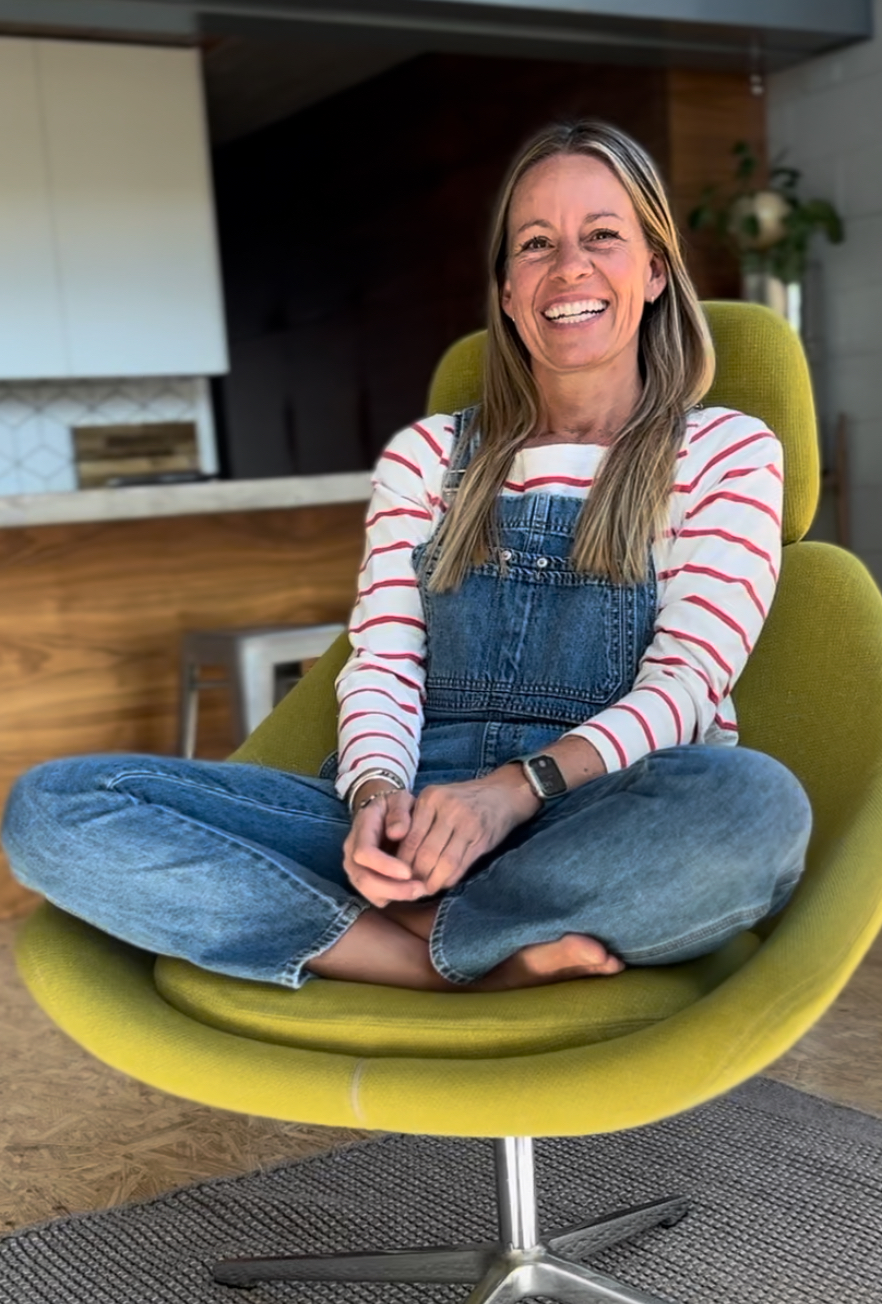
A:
466,438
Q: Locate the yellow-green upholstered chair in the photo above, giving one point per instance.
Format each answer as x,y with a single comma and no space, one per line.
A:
579,1057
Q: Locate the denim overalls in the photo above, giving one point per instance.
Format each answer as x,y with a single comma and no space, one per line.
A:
238,868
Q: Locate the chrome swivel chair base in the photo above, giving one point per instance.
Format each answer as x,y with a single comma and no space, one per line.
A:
520,1265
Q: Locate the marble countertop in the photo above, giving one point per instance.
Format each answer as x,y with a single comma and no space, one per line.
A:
140,501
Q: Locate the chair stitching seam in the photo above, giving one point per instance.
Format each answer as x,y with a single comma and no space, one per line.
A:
360,1066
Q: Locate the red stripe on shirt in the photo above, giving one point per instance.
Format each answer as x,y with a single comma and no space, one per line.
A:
691,569
652,688
733,498
402,706
358,715
547,479
398,511
388,620
386,547
732,538
430,439
724,616
377,733
396,457
751,470
401,656
681,661
719,457
650,736
623,760
374,756
686,637
385,584
402,679
705,430
725,724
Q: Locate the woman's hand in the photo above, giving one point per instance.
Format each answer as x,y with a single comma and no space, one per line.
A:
372,870
453,824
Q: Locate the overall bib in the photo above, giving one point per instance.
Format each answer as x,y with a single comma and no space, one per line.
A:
238,868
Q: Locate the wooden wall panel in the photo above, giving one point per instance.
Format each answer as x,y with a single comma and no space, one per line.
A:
707,113
91,618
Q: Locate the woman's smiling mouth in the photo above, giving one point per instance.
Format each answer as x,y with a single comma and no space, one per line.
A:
565,314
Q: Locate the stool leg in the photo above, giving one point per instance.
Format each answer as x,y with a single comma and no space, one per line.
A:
188,708
254,685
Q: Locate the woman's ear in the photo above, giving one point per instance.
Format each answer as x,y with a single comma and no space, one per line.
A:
658,278
505,297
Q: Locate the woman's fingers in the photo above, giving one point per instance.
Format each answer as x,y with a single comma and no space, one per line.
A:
369,829
422,818
399,806
379,889
455,858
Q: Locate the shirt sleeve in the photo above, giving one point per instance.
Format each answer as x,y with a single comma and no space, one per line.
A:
381,689
717,585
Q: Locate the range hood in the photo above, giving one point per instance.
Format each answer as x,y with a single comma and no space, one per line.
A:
758,35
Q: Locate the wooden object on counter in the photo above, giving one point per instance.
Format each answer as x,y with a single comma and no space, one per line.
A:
105,453
92,617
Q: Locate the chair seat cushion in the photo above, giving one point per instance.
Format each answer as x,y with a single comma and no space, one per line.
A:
366,1020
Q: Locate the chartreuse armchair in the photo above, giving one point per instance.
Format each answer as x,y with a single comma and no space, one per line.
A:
579,1057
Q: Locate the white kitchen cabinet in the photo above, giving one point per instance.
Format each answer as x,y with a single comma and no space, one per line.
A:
133,283
32,340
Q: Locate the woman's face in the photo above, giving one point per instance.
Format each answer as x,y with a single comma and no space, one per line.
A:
579,270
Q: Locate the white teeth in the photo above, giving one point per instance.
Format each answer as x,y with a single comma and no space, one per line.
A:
584,307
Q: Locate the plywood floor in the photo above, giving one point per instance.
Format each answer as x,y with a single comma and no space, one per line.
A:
75,1135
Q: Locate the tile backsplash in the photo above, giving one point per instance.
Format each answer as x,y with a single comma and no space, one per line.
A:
36,444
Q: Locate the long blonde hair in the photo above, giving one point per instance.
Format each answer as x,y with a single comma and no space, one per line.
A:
628,502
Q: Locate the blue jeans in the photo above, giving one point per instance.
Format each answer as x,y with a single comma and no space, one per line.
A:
238,868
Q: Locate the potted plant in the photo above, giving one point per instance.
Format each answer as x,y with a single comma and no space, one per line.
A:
769,229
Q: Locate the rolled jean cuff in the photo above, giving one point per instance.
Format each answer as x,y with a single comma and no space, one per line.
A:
436,947
294,974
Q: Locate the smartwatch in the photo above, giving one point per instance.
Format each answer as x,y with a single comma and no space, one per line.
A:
544,776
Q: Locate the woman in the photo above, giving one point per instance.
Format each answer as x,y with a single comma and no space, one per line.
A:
558,594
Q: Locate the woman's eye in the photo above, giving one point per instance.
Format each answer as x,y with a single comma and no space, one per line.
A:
604,235
535,242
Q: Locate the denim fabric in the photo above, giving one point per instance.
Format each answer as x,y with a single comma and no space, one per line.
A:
238,868
527,637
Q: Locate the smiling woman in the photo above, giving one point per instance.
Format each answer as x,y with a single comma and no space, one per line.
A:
576,287
560,588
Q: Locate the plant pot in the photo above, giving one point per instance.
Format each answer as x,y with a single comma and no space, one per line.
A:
785,298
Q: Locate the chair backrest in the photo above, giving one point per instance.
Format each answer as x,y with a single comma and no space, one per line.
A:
761,369
811,693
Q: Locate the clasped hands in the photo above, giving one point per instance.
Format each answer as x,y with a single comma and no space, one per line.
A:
402,848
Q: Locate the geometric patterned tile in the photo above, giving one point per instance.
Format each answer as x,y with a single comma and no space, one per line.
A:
36,444
43,462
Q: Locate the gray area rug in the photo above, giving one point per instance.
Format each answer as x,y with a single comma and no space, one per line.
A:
787,1193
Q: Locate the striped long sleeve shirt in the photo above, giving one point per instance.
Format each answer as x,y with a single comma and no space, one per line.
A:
716,567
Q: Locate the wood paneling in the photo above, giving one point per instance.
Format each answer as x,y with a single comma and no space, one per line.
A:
91,619
707,113
365,219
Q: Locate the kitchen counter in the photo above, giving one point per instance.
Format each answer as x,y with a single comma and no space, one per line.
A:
140,502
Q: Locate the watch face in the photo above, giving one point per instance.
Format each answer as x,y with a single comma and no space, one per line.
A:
546,772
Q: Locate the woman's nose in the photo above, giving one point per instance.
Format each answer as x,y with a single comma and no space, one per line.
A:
572,259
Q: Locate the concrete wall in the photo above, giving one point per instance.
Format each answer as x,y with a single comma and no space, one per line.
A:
825,116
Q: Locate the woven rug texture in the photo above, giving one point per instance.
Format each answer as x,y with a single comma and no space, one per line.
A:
786,1190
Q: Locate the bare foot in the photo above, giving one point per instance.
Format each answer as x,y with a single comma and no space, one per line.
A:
572,956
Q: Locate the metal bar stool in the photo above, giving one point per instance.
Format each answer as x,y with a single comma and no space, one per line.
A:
251,658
